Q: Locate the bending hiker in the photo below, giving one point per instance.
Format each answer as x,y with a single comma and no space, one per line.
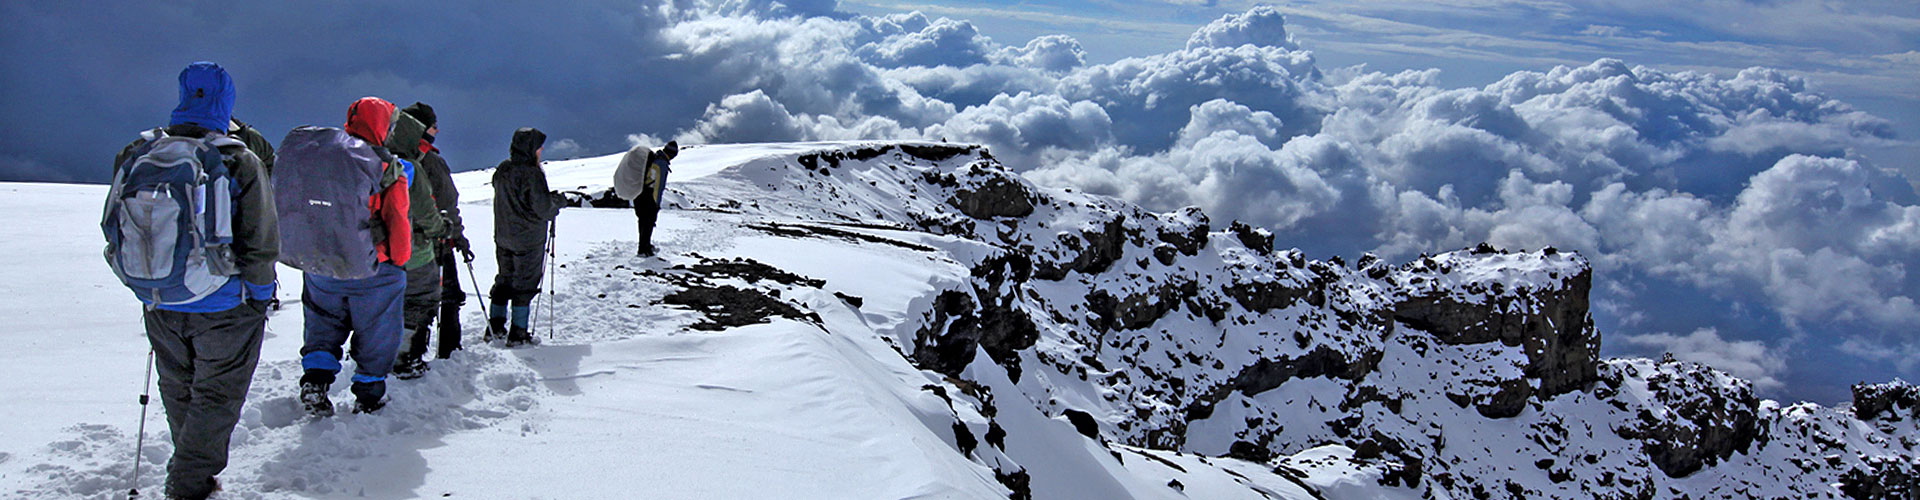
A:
345,202
522,208
642,179
446,198
408,142
205,307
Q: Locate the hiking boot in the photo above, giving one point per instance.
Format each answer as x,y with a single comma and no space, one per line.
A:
496,329
214,484
410,367
520,337
313,398
370,406
369,397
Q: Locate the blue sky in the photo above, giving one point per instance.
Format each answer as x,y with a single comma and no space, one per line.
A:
1763,221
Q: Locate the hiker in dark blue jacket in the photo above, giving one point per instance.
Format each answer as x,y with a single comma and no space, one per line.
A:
206,350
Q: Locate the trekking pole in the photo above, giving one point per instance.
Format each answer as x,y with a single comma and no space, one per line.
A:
553,278
476,291
140,442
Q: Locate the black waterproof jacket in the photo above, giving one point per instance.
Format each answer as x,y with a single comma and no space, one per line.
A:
446,197
257,143
522,204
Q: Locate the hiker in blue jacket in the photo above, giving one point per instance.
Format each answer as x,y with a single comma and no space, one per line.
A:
205,351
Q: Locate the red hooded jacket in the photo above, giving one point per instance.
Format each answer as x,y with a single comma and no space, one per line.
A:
369,119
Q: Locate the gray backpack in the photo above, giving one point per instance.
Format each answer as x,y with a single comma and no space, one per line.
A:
323,181
169,219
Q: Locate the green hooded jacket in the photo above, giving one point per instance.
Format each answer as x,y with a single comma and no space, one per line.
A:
429,227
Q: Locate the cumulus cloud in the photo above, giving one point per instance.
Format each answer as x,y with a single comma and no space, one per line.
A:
1748,359
912,39
1262,26
562,149
1054,53
1025,126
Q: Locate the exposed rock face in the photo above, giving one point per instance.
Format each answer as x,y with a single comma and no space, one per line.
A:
1883,478
1710,416
1186,231
1093,250
992,191
1256,239
987,316
1891,401
1137,311
1550,323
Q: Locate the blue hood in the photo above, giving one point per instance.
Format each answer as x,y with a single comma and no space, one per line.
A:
206,97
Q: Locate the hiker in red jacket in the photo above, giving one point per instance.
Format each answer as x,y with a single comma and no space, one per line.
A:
366,309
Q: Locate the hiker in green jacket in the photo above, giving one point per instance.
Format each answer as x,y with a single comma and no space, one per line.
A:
446,198
422,302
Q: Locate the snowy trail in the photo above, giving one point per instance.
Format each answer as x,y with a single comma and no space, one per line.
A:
616,403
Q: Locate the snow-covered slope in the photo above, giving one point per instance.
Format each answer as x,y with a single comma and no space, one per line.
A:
911,320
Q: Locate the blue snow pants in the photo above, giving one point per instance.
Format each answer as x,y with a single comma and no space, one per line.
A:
366,311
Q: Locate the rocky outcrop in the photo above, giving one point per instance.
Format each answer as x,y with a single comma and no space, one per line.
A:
987,316
1551,324
1258,240
1186,231
1883,478
1137,311
1706,417
1092,250
988,191
1892,401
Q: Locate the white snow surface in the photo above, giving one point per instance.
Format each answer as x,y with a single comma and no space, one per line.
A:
846,379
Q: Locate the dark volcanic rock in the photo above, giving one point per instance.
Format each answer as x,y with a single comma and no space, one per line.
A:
1084,423
1553,326
992,192
1710,418
1194,238
1893,400
1883,478
1256,239
1093,251
994,322
1137,311
727,307
1263,296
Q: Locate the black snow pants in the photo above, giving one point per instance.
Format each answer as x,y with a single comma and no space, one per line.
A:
649,213
451,298
519,276
206,363
422,304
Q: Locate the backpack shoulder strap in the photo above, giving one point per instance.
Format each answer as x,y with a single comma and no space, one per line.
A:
223,141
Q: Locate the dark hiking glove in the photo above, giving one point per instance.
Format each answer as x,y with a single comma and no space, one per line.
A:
461,245
575,198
